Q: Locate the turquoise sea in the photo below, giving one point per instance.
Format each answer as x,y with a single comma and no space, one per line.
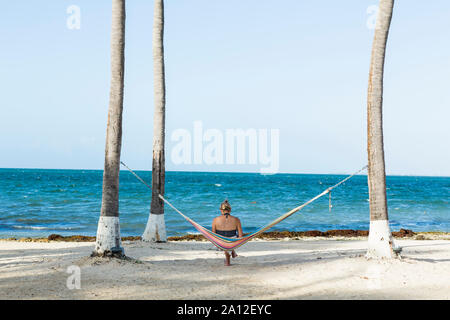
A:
38,202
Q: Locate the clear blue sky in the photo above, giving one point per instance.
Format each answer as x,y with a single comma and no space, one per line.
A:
297,66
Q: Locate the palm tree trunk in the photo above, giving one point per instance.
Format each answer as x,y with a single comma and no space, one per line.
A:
156,229
108,240
380,243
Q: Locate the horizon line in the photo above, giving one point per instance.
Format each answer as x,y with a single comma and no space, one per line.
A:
247,172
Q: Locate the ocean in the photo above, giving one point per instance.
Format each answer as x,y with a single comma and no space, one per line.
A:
40,202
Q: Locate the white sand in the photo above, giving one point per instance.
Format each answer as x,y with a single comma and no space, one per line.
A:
294,269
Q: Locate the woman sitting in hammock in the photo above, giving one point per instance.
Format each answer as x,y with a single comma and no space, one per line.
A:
228,226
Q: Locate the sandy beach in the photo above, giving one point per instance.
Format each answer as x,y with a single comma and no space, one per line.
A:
306,135
309,268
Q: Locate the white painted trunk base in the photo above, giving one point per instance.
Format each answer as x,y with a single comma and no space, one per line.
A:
380,242
155,231
108,235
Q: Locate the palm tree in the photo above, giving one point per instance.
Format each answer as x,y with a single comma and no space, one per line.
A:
156,229
380,243
108,233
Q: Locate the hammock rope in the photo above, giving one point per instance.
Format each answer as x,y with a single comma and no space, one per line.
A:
227,244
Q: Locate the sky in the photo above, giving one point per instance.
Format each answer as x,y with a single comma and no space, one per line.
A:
296,68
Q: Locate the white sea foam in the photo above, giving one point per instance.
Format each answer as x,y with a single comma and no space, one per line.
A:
30,227
43,228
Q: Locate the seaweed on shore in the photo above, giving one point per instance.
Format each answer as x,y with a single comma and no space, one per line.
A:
272,235
302,234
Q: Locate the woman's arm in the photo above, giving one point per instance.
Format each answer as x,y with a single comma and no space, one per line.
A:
239,227
214,225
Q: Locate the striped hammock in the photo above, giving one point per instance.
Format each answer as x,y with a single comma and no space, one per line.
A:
228,244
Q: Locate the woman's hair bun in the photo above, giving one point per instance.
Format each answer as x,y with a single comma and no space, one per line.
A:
225,205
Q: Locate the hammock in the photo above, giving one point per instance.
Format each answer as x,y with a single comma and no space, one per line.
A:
228,244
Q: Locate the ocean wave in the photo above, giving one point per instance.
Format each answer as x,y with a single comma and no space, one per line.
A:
45,228
34,221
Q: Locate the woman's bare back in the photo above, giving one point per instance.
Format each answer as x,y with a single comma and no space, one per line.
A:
227,223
